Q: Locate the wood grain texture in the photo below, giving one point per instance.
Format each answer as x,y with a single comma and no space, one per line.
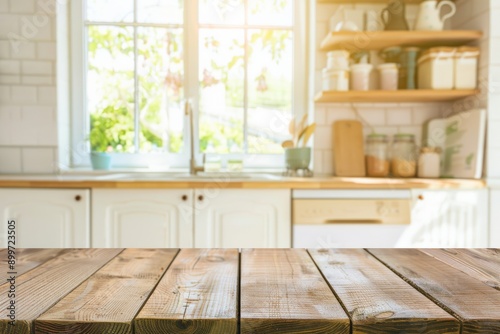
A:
285,183
282,291
198,294
482,264
27,259
117,291
379,301
40,288
475,304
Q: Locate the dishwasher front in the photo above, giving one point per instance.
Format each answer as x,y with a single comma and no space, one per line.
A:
350,218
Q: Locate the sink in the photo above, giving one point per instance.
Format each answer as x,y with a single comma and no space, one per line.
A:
216,177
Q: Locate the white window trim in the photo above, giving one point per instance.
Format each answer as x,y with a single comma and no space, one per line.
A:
79,147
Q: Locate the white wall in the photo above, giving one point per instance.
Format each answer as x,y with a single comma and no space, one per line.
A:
28,130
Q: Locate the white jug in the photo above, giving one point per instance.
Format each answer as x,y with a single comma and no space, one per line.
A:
429,15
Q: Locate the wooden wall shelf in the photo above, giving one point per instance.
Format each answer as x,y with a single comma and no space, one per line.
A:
377,40
398,96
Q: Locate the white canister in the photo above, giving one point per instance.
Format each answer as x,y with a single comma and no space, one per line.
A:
466,59
338,60
360,76
337,80
429,162
435,68
389,76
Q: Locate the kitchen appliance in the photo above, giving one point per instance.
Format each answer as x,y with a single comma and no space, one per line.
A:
429,12
348,148
395,19
350,218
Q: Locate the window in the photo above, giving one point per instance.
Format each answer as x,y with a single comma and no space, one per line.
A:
136,62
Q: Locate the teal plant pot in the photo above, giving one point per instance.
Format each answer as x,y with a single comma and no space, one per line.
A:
100,160
298,158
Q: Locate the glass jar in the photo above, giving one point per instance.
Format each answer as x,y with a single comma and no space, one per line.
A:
377,155
429,162
404,157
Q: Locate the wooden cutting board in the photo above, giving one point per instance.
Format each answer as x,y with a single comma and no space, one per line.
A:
348,148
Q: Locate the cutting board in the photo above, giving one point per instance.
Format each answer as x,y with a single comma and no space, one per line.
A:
348,148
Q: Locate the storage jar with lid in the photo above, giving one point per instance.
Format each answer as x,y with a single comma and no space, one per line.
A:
466,59
360,76
429,162
389,75
338,60
377,155
335,80
404,160
436,68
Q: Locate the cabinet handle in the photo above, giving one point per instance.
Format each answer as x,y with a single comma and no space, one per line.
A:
200,198
78,198
184,198
421,197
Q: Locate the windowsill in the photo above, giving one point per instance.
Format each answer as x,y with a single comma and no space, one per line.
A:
90,171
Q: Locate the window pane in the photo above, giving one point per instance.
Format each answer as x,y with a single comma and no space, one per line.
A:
110,87
221,74
222,12
160,11
271,12
161,89
110,10
270,72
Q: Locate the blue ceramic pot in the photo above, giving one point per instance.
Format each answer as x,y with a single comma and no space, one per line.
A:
100,160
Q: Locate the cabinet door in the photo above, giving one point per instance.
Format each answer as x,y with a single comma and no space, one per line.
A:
142,218
448,218
227,218
46,218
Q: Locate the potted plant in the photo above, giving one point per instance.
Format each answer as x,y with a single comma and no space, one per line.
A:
100,141
297,154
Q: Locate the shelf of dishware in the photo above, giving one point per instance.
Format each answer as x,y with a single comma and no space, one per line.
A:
377,40
397,96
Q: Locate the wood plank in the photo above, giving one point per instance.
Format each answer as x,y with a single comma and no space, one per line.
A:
482,264
27,259
354,41
198,294
118,290
476,305
282,291
40,288
378,300
372,96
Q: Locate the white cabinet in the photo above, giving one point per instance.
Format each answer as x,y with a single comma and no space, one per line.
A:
253,218
448,218
46,218
495,218
138,218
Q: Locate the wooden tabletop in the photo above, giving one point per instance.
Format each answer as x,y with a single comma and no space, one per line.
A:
252,291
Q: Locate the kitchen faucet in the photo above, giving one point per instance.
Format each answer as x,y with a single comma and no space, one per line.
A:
188,111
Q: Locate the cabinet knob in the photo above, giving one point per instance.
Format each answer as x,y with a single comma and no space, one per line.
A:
184,198
200,198
421,197
78,198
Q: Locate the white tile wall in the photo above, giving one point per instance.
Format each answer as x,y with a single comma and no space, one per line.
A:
28,124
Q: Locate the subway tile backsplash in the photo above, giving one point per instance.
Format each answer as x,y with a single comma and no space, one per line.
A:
28,124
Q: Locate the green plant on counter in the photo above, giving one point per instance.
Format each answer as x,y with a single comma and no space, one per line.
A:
111,129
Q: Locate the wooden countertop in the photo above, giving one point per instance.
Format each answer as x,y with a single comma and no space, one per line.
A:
256,291
275,182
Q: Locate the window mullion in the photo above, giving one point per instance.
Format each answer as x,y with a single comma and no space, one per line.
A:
245,83
136,86
191,56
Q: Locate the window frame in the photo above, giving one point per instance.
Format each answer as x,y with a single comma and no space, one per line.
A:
80,123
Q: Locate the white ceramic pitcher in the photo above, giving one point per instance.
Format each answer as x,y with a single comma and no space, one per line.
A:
429,15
